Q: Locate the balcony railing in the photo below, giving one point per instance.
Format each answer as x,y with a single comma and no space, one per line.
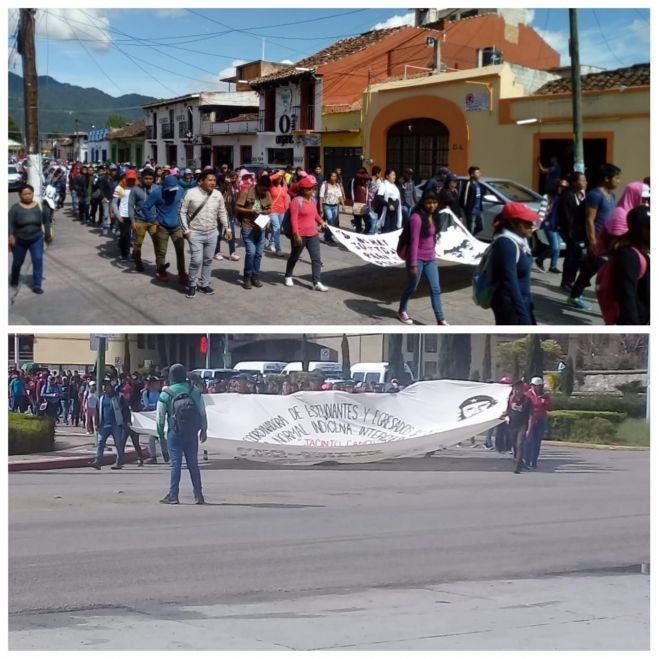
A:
167,131
303,117
151,133
182,128
234,127
266,122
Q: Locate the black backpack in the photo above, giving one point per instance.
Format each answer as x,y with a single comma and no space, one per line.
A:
184,415
286,227
404,242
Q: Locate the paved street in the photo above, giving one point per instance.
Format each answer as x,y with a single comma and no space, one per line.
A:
86,284
450,552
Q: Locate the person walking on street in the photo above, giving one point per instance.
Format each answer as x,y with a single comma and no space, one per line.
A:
112,416
420,259
541,408
330,199
280,204
166,199
471,200
520,421
304,230
181,408
90,403
140,223
571,226
202,211
121,207
150,397
28,228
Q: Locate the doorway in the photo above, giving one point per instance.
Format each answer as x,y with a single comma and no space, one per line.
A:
420,144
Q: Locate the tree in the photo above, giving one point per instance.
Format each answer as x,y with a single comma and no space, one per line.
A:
535,357
566,378
116,121
345,357
395,357
14,131
126,363
487,359
511,356
455,356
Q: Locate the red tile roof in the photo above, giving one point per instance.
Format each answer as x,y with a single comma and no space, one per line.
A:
332,53
252,116
136,129
631,76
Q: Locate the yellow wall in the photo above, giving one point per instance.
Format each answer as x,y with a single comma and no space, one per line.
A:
497,144
70,349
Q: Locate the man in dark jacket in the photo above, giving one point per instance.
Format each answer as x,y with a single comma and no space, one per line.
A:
112,417
83,187
471,201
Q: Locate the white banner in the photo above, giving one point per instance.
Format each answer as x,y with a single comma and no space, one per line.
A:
455,244
316,426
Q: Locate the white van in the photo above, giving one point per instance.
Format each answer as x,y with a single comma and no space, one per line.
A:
328,369
215,374
259,368
374,372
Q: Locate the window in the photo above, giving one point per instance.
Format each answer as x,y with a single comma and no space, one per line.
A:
269,119
151,341
140,341
431,342
245,154
430,369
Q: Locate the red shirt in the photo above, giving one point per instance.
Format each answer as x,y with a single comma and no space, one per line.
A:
541,404
304,218
280,199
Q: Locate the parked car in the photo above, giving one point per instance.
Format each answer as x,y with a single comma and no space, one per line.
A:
215,374
496,193
15,178
259,368
328,369
376,372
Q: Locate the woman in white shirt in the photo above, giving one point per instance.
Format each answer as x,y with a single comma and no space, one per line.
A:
331,195
391,213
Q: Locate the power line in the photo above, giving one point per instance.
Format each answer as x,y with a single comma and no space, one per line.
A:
606,42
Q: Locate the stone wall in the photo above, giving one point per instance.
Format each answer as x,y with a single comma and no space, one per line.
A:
606,381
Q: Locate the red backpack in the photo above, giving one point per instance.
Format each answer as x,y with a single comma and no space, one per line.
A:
605,286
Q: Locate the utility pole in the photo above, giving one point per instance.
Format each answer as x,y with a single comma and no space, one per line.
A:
208,350
30,98
17,350
100,363
577,113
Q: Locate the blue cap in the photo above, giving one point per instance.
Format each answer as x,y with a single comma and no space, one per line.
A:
170,183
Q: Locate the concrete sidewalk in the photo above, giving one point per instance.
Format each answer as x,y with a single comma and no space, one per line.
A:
75,448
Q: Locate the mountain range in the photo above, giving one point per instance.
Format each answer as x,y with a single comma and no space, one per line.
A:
61,104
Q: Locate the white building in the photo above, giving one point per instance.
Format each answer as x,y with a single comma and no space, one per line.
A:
96,148
179,130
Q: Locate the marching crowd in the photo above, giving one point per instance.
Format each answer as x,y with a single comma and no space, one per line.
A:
606,240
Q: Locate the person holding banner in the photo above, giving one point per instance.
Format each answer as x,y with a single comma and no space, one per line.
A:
420,259
389,202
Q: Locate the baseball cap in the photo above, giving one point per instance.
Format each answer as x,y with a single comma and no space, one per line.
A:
514,210
131,174
536,381
307,182
170,183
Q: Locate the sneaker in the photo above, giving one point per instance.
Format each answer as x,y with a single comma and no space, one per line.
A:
247,284
200,500
540,265
442,322
555,271
218,257
271,248
578,302
320,287
404,317
288,281
167,499
38,291
152,461
256,282
516,471
207,290
166,460
234,257
96,465
192,292
280,253
140,462
183,278
116,466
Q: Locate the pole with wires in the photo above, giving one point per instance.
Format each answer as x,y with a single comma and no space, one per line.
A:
30,98
577,112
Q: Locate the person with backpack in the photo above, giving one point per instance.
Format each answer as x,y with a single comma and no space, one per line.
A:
542,405
623,283
417,246
181,408
506,265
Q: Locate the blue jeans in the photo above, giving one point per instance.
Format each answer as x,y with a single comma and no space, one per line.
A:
533,444
430,270
254,241
20,250
178,447
331,215
475,223
66,409
275,224
373,219
119,436
555,244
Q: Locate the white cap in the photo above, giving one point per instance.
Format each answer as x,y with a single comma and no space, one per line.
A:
536,381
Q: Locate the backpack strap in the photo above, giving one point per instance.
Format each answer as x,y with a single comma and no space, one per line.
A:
643,263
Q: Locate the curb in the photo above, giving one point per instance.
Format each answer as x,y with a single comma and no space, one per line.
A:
69,463
597,447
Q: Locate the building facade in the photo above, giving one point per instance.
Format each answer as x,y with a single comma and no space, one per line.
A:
127,144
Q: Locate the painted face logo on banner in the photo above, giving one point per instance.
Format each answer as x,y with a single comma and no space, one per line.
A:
475,405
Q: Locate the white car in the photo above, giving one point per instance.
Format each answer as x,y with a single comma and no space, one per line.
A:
15,178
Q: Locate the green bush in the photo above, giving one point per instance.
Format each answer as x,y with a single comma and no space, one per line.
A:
595,431
632,406
30,434
633,432
574,425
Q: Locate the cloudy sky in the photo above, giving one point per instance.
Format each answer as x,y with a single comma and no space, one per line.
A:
168,52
